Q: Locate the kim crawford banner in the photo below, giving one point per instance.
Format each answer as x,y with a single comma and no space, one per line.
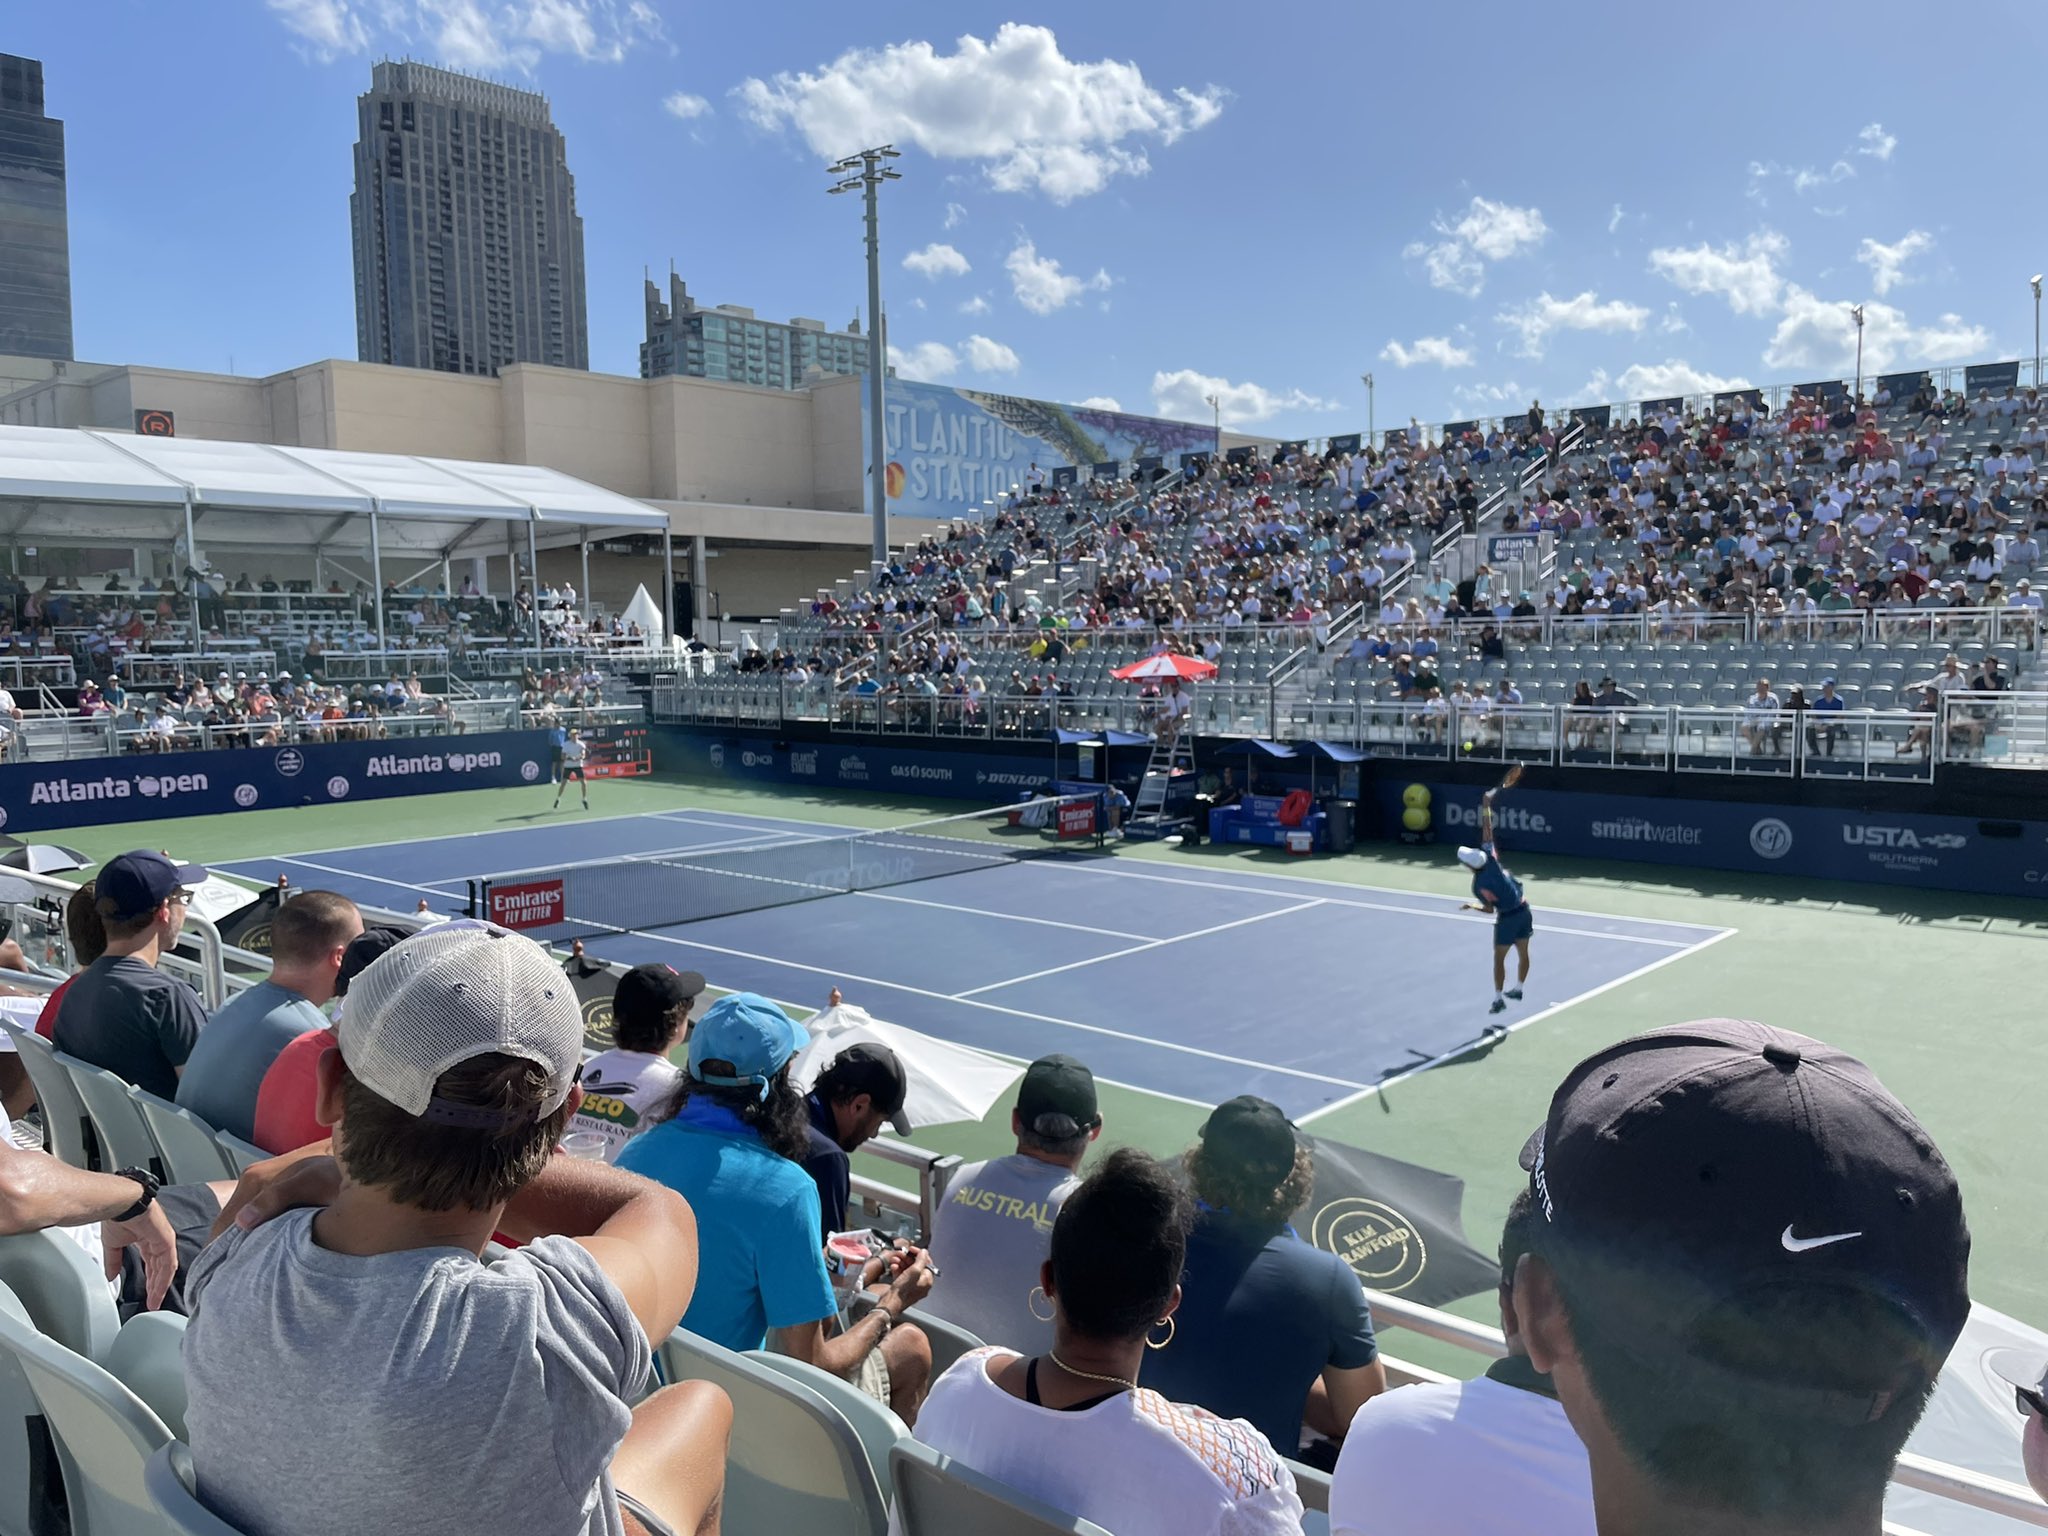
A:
1398,1226
95,791
1807,843
952,450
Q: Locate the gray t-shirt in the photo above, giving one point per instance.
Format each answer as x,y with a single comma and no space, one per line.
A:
989,1237
129,1017
335,1395
236,1048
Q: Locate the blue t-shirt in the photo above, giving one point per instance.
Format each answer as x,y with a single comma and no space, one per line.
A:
760,1260
1261,1314
1824,702
1492,879
236,1048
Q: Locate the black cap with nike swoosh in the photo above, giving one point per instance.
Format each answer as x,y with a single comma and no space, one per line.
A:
1729,1164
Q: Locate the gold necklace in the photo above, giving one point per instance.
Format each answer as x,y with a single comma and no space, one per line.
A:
1121,1381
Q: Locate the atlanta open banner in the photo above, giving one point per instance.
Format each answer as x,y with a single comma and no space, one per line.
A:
1398,1226
951,451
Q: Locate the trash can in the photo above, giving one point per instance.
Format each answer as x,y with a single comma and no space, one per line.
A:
1342,821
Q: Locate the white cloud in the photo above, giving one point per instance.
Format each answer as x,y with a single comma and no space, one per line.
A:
1614,219
986,356
1440,350
1485,231
1478,397
1099,403
685,106
1185,393
1805,179
1746,275
978,305
1652,381
1875,142
1040,285
928,361
1673,323
1887,262
937,261
1816,334
1582,312
954,214
330,28
475,34
1035,119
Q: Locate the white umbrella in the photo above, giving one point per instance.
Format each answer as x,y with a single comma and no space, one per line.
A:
948,1082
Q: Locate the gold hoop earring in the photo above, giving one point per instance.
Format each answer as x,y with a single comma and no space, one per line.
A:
1170,1330
1031,1304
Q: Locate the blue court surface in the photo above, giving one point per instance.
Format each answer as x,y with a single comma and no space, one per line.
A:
1190,981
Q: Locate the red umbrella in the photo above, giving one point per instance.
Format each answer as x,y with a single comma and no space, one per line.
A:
1189,669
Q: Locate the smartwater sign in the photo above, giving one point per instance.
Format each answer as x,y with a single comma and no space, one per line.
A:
93,791
954,449
1810,842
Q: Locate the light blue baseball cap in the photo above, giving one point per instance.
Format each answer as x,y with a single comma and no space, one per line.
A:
752,1034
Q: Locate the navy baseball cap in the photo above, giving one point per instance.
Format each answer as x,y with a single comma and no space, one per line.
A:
1718,1167
134,885
748,1033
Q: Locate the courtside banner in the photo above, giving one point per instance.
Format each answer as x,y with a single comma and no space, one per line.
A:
985,778
528,904
1398,1226
94,791
1956,853
618,751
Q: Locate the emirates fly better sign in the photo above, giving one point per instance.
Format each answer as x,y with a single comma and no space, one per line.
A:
534,904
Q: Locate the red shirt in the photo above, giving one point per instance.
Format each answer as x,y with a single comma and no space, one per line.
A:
46,1021
285,1098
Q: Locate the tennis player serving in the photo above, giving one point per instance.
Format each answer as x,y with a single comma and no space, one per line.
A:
1496,891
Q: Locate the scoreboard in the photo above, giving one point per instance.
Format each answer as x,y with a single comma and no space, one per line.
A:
618,751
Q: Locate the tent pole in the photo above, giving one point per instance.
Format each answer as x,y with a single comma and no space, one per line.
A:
533,562
668,587
583,545
377,575
192,560
447,578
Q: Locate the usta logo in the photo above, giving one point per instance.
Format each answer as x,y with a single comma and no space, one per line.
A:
1900,837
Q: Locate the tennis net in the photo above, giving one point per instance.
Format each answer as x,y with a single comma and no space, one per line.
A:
661,890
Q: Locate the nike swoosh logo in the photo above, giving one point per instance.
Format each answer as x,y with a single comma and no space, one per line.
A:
1802,1244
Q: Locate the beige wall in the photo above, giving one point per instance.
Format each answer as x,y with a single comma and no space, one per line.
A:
377,409
839,455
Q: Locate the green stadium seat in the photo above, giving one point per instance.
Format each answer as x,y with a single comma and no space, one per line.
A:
238,1152
874,1421
938,1496
147,1357
17,1406
63,1288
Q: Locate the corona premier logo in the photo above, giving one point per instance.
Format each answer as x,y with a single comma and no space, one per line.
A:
1380,1244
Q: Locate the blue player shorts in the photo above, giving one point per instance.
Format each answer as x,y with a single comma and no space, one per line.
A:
1513,927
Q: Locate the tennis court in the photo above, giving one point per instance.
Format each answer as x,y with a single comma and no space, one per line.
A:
1190,982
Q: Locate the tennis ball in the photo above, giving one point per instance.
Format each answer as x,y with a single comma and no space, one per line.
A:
1415,819
1416,797
1467,746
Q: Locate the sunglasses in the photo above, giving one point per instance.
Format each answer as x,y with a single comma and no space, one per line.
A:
2030,1400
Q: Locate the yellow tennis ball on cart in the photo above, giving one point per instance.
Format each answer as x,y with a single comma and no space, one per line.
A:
1416,797
1415,819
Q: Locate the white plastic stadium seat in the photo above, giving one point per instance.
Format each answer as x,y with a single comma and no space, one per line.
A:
173,1490
938,1496
104,1432
116,1118
65,1121
63,1288
949,1340
239,1153
185,1143
795,1463
874,1421
147,1357
17,1407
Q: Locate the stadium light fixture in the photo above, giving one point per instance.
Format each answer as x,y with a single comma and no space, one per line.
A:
2035,283
865,172
1216,405
1856,314
1371,427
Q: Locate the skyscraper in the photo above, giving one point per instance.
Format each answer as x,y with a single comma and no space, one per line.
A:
468,247
730,342
35,240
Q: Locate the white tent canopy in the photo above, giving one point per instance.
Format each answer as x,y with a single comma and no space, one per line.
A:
63,485
643,610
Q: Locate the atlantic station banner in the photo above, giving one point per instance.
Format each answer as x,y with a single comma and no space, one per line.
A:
952,451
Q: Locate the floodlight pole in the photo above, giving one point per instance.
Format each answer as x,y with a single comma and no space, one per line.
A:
2035,281
1856,314
1216,405
1372,431
867,171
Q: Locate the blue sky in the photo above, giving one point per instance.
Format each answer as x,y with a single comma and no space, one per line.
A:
1102,203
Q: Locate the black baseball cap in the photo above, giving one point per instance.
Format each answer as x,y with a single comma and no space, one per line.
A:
647,994
134,885
362,949
1249,1133
1738,1164
875,1071
1057,1098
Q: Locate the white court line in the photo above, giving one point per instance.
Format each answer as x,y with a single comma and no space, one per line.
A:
349,874
830,829
1135,949
452,837
1008,917
968,1002
1386,906
607,860
1535,1018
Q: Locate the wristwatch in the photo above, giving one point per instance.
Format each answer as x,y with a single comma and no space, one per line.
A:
150,1185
